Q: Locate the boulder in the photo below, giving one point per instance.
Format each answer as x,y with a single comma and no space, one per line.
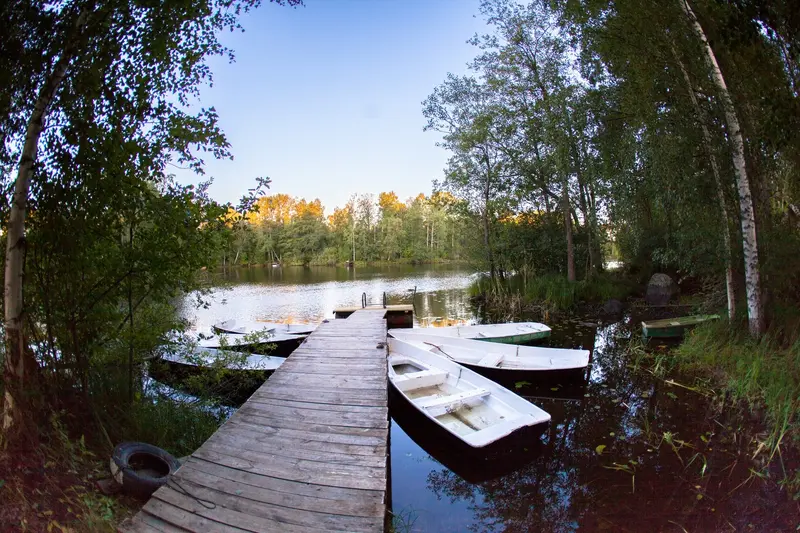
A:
613,307
660,290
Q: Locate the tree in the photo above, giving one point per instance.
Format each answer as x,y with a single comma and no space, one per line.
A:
116,75
752,268
463,110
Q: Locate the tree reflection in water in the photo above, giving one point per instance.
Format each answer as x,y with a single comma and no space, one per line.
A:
632,453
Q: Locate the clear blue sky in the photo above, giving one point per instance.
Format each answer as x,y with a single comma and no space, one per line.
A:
326,99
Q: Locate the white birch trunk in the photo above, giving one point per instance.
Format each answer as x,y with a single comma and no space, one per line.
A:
727,237
15,364
755,305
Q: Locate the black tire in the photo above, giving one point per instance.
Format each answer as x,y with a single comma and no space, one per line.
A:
141,468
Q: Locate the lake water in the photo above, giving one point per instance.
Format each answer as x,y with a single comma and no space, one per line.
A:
300,295
628,450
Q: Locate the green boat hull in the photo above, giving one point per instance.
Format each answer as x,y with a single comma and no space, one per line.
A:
671,328
677,331
522,338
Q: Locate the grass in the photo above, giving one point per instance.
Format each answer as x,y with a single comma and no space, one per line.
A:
180,428
550,292
765,374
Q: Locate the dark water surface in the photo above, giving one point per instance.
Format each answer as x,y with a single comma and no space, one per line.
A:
627,450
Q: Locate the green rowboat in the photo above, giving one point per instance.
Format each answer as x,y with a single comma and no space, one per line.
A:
674,327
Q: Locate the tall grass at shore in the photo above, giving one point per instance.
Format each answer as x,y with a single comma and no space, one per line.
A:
551,292
763,373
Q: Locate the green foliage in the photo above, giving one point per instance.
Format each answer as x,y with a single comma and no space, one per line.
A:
112,239
602,111
293,231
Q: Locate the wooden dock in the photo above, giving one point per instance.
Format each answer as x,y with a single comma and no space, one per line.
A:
307,452
397,315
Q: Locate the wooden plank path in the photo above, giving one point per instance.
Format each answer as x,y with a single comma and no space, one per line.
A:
307,452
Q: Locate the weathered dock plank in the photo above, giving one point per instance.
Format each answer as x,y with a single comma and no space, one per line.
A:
306,453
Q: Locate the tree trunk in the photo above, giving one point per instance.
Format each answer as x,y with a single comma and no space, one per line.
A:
568,230
130,315
595,248
726,230
19,362
755,307
486,230
534,66
487,243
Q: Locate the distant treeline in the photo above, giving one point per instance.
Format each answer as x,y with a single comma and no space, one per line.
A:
287,230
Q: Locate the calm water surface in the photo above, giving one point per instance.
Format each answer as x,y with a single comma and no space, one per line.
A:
297,294
626,450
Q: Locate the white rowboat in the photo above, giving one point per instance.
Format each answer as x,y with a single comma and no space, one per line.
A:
236,341
508,333
245,327
498,356
471,407
205,357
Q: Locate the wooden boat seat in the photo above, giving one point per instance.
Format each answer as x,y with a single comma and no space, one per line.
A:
479,438
491,359
419,380
437,406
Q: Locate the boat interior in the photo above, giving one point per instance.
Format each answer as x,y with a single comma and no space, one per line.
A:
456,404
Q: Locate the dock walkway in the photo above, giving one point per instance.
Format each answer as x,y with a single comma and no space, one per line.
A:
307,452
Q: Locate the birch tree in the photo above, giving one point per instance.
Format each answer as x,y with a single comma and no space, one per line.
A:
708,145
752,268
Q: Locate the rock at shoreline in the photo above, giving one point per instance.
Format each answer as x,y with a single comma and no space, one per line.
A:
613,307
660,290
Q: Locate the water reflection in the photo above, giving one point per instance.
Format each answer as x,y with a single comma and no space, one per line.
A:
625,451
297,294
632,453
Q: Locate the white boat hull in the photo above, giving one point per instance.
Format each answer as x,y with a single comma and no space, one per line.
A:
467,405
508,333
246,327
499,357
236,341
210,357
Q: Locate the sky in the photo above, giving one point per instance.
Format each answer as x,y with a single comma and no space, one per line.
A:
326,99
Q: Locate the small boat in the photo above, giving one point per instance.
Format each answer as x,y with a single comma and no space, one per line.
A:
246,327
500,358
674,327
473,465
470,407
271,344
507,333
208,357
209,372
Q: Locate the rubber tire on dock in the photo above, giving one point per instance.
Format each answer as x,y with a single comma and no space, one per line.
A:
133,483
